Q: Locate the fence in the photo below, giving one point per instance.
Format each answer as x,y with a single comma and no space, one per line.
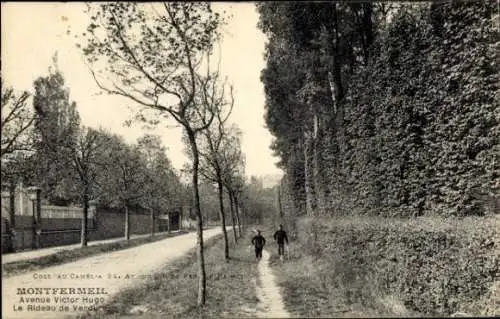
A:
26,228
32,225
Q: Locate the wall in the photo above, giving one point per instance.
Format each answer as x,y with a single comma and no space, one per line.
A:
105,224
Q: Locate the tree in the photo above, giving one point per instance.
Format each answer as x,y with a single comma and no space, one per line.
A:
234,166
163,187
209,200
324,42
57,126
211,142
125,176
66,152
17,118
153,56
259,202
89,144
237,185
407,127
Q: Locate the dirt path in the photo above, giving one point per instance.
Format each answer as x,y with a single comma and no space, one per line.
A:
271,302
101,276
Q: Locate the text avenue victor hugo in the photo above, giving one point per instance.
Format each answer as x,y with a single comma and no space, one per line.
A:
66,300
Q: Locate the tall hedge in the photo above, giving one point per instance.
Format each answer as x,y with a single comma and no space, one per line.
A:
422,119
417,131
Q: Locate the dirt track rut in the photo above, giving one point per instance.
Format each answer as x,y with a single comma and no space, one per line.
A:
271,302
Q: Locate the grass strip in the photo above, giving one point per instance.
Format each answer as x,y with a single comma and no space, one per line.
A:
172,292
307,294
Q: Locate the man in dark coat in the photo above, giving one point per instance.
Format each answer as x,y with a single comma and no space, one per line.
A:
258,241
281,238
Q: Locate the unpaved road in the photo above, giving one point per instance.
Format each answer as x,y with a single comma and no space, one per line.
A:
78,286
27,255
271,302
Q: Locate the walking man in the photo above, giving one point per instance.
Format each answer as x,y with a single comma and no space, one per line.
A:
281,238
258,241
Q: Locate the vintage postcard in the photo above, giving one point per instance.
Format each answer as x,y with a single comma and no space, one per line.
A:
250,159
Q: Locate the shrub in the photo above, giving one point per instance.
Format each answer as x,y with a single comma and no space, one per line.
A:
434,266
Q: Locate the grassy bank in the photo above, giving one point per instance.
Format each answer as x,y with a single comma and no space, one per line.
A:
367,267
64,256
172,292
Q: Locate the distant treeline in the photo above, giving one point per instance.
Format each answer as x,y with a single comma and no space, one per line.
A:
44,144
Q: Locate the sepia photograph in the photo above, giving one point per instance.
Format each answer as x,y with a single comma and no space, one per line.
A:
308,159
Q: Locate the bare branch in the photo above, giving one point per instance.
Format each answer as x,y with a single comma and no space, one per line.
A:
10,146
188,54
17,120
119,91
138,64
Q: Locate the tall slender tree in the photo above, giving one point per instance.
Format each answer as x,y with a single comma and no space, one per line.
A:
234,165
57,127
84,160
211,142
154,55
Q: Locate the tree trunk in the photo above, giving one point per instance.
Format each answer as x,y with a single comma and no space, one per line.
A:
338,75
280,208
241,215
127,223
308,176
237,211
38,220
223,215
319,190
152,221
168,223
318,187
333,39
12,215
367,29
84,233
231,205
202,281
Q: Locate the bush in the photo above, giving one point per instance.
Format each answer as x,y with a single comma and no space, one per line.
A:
434,266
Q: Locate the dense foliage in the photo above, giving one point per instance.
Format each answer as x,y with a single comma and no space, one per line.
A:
435,267
72,163
391,109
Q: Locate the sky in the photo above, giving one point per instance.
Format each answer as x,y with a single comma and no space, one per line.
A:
33,32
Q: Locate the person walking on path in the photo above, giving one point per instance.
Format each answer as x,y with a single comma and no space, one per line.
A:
258,241
281,238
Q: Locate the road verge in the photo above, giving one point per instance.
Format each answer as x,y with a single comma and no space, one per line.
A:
172,290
